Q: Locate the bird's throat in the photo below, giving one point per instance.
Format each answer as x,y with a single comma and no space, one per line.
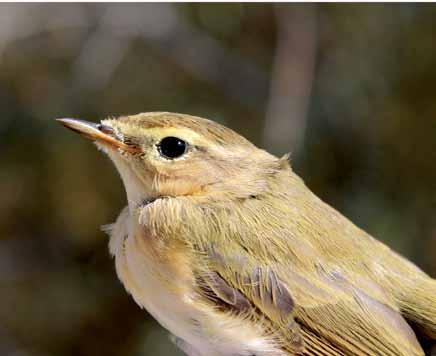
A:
137,190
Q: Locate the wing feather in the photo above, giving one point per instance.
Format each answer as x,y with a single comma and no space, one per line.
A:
329,317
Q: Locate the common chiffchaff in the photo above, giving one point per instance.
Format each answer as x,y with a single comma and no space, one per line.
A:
227,248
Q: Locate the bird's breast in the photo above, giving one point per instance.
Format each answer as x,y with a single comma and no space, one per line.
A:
164,287
154,287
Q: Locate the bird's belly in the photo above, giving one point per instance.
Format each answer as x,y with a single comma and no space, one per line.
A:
203,332
174,311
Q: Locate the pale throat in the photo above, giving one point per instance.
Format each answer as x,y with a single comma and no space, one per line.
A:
137,190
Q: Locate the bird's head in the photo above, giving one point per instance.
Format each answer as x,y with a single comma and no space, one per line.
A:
163,154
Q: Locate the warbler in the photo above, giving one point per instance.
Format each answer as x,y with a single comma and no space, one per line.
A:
225,246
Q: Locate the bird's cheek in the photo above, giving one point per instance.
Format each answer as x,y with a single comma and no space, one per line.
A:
180,186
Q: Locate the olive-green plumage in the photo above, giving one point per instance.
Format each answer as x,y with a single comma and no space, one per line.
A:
229,250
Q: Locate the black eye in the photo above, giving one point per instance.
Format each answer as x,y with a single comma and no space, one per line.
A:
172,147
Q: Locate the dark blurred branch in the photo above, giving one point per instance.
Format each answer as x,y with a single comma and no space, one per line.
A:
7,343
160,25
100,56
292,78
162,28
21,22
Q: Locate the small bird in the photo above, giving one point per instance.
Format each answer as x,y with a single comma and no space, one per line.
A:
225,246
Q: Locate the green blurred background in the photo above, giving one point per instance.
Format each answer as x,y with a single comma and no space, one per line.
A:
350,90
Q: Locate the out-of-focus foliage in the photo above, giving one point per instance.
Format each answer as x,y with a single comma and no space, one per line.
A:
352,86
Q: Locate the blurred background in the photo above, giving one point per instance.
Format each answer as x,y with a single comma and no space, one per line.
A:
348,89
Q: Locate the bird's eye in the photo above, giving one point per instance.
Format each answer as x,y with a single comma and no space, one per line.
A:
172,147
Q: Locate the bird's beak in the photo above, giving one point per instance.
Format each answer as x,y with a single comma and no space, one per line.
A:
97,132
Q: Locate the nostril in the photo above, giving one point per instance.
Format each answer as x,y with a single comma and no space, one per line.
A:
105,129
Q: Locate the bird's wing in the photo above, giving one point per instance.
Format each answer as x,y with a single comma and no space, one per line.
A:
416,294
313,315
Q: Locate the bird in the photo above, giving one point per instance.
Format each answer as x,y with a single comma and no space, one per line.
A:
229,250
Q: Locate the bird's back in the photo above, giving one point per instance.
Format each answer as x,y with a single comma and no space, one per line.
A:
325,286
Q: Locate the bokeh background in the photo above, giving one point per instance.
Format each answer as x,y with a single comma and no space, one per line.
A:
350,90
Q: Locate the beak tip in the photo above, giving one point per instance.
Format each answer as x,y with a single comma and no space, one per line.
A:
66,121
80,126
93,131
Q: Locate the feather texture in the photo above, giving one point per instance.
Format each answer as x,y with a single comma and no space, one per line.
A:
254,262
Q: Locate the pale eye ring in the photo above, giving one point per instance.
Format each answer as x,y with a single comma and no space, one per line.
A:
172,147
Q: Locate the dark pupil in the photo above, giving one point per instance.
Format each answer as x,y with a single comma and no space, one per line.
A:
172,147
